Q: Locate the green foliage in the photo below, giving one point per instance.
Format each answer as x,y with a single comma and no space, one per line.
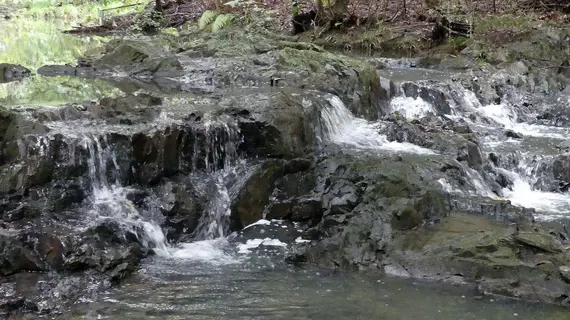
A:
37,90
458,43
222,21
37,42
214,20
207,18
149,21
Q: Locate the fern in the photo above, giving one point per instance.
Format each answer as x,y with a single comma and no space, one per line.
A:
207,17
222,21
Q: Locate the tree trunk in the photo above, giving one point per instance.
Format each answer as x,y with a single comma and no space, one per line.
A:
158,6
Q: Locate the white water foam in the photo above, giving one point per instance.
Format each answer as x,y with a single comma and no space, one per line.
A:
506,116
255,243
214,251
550,205
342,128
411,108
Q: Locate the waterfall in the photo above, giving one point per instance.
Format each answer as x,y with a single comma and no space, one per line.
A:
341,127
109,199
534,148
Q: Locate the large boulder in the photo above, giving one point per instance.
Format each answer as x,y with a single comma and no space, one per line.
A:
140,59
520,261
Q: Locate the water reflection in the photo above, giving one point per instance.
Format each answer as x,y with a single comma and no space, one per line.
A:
177,291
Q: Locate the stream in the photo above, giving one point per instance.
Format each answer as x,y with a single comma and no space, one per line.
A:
221,275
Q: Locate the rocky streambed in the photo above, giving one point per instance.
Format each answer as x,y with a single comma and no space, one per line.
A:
241,161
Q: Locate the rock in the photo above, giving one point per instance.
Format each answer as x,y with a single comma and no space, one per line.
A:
12,72
183,206
431,95
138,59
252,199
16,305
541,241
565,273
471,153
103,248
16,257
51,250
512,134
462,129
564,146
278,125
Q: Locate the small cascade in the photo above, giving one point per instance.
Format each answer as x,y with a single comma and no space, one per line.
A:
526,192
216,146
343,128
210,239
109,199
504,115
215,223
411,108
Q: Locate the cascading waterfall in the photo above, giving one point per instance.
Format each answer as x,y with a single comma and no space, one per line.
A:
343,128
491,119
109,200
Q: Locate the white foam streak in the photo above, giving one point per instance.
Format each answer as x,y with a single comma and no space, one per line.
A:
215,251
342,128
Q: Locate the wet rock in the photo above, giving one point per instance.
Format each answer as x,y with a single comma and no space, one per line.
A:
471,154
277,125
252,199
433,96
17,305
512,134
541,241
564,146
103,248
503,180
66,70
483,252
51,250
16,257
407,132
138,59
499,210
462,129
20,212
183,206
12,72
561,167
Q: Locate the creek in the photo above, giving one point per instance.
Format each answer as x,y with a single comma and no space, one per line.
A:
218,274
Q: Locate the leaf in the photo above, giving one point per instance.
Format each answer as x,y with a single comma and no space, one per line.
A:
207,17
325,2
232,3
222,21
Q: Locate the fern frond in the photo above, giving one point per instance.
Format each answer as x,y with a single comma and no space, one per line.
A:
222,21
207,17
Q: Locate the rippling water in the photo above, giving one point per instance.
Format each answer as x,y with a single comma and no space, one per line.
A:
257,289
